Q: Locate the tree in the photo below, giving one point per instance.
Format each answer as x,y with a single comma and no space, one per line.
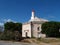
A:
10,26
18,27
51,29
12,31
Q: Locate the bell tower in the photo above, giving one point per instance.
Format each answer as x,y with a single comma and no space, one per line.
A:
33,13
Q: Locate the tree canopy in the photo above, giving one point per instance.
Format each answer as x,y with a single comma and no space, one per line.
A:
12,31
51,29
10,26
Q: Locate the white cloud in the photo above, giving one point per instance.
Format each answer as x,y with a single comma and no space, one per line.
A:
51,16
9,20
1,24
2,21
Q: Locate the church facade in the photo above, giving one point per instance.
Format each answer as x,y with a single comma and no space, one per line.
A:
32,28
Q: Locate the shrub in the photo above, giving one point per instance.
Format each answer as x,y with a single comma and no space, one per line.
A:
51,29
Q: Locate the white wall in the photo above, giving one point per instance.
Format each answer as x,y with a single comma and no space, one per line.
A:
26,28
35,30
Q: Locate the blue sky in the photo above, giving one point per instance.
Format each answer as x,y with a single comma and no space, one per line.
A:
20,10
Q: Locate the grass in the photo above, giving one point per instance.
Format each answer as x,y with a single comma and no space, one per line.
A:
43,41
49,40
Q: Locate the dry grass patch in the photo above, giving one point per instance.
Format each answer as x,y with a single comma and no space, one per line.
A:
49,40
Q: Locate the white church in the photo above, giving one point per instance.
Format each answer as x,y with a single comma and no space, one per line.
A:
32,28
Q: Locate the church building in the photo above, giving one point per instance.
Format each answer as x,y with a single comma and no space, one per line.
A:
32,28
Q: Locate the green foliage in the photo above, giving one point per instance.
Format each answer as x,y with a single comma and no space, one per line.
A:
6,36
11,36
13,26
51,29
12,31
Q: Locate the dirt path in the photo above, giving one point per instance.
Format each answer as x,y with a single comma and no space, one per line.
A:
22,43
15,43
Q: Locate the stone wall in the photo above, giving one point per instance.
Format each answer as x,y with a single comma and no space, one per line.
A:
26,28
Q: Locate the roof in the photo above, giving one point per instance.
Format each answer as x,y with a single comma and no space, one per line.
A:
38,19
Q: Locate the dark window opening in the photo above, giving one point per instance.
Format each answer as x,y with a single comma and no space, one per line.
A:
38,28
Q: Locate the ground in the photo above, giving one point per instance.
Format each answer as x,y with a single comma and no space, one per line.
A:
15,43
47,41
20,43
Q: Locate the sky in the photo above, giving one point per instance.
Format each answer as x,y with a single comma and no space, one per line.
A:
20,10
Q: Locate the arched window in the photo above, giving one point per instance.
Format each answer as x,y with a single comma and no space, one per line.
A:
38,29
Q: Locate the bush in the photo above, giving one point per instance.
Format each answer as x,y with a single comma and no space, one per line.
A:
51,29
11,36
6,36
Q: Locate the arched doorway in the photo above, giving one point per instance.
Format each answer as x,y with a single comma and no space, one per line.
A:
26,34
